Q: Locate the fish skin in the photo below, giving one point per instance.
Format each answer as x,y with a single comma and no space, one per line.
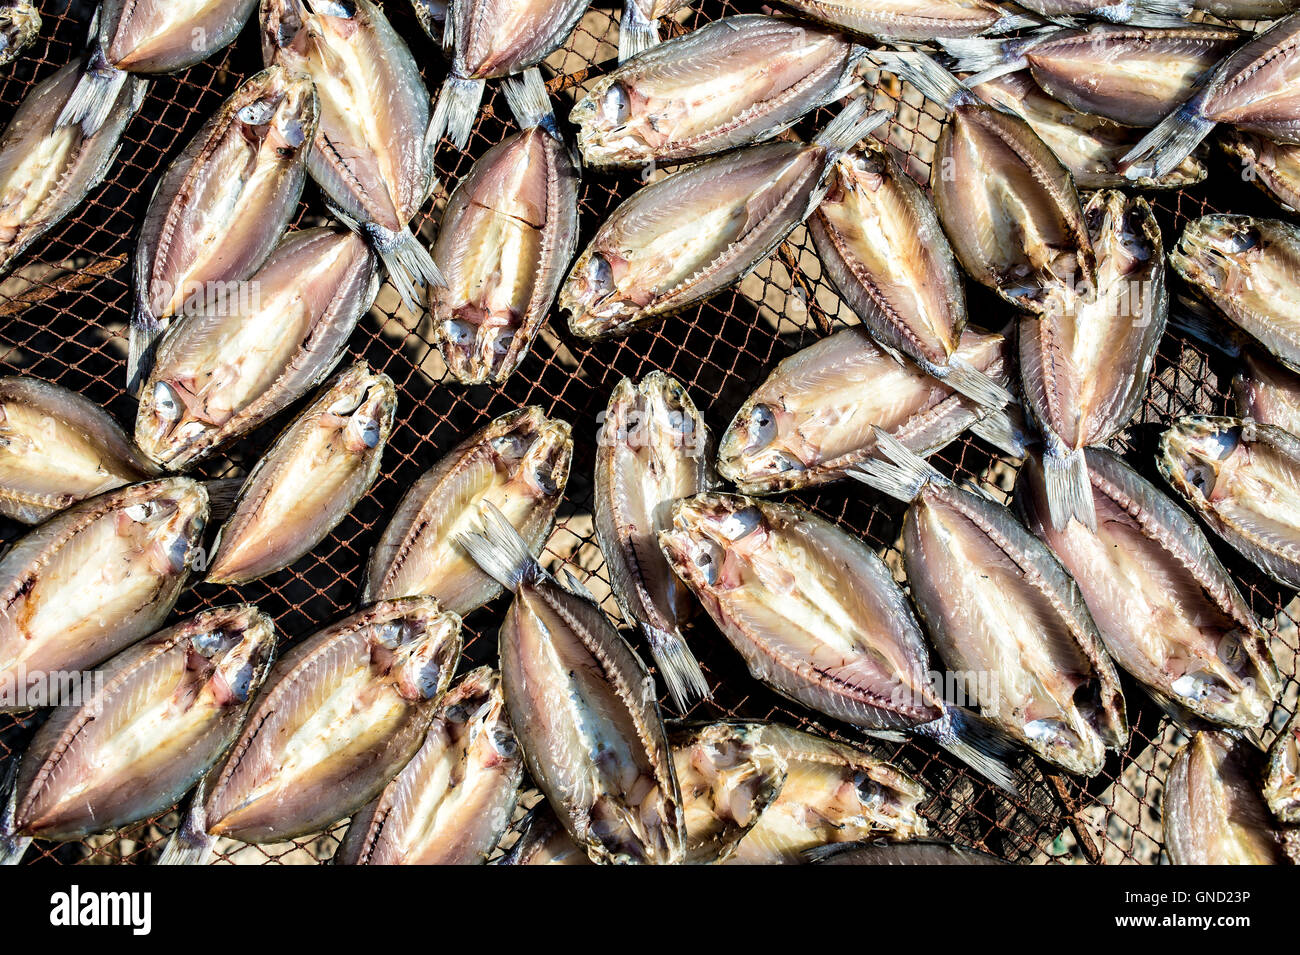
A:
314,474
915,852
652,449
508,233
165,712
20,22
219,373
1267,391
47,170
519,462
733,82
365,690
1282,785
811,420
159,36
453,801
1212,811
223,205
58,448
126,554
1247,9
1274,167
488,39
541,839
1246,267
1167,610
1243,479
908,20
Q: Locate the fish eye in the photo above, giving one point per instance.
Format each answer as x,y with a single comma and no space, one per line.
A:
741,523
166,402
600,277
615,104
1242,240
208,643
708,560
143,512
258,113
342,9
389,636
294,135
509,446
458,331
370,433
501,344
762,427
869,791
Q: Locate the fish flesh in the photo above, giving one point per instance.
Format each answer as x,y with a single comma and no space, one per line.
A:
508,233
369,156
818,617
1132,75
690,235
453,801
94,579
1267,391
1274,167
1117,11
1086,358
733,82
917,852
309,479
1212,811
519,463
222,206
1005,616
1247,268
489,39
652,449
880,241
159,714
58,448
833,793
909,19
222,371
541,839
20,22
1243,478
340,715
47,170
1167,610
1254,89
812,419
638,30
1007,204
1282,787
1089,146
583,708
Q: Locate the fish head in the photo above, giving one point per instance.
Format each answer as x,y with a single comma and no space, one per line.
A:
290,112
282,22
712,537
533,449
165,520
591,294
1200,452
655,411
762,449
20,21
364,403
231,649
601,120
167,428
414,645
1216,253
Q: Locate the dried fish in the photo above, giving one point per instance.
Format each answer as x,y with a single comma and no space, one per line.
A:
1275,167
1243,478
92,580
1167,610
1212,810
341,713
432,15
156,717
58,448
1117,11
812,419
1282,787
638,30
20,22
694,233
817,616
733,82
881,243
369,156
222,206
222,371
1005,616
910,19
453,801
543,840
45,169
1007,204
917,852
1085,360
1268,392
519,463
583,707
310,478
1247,9
652,449
508,233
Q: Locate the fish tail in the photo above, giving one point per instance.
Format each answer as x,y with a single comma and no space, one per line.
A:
636,33
1069,492
986,57
963,377
1163,150
191,844
976,743
94,95
528,99
681,671
1005,430
142,343
12,845
409,265
853,124
902,479
926,75
498,549
455,110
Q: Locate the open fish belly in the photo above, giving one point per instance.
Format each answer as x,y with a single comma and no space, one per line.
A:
1267,391
490,38
906,20
160,36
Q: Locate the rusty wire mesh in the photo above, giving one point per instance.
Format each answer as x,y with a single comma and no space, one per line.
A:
63,315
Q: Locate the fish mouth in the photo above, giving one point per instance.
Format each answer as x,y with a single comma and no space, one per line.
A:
1192,452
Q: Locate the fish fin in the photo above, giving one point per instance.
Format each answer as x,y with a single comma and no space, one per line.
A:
965,378
1005,431
926,75
142,343
636,33
977,743
191,844
222,493
680,670
93,97
1159,13
1069,492
578,587
529,101
1011,22
1163,150
1198,320
499,550
449,33
853,124
456,109
986,57
12,845
892,736
902,479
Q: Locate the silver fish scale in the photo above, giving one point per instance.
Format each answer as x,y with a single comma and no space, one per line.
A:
720,350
